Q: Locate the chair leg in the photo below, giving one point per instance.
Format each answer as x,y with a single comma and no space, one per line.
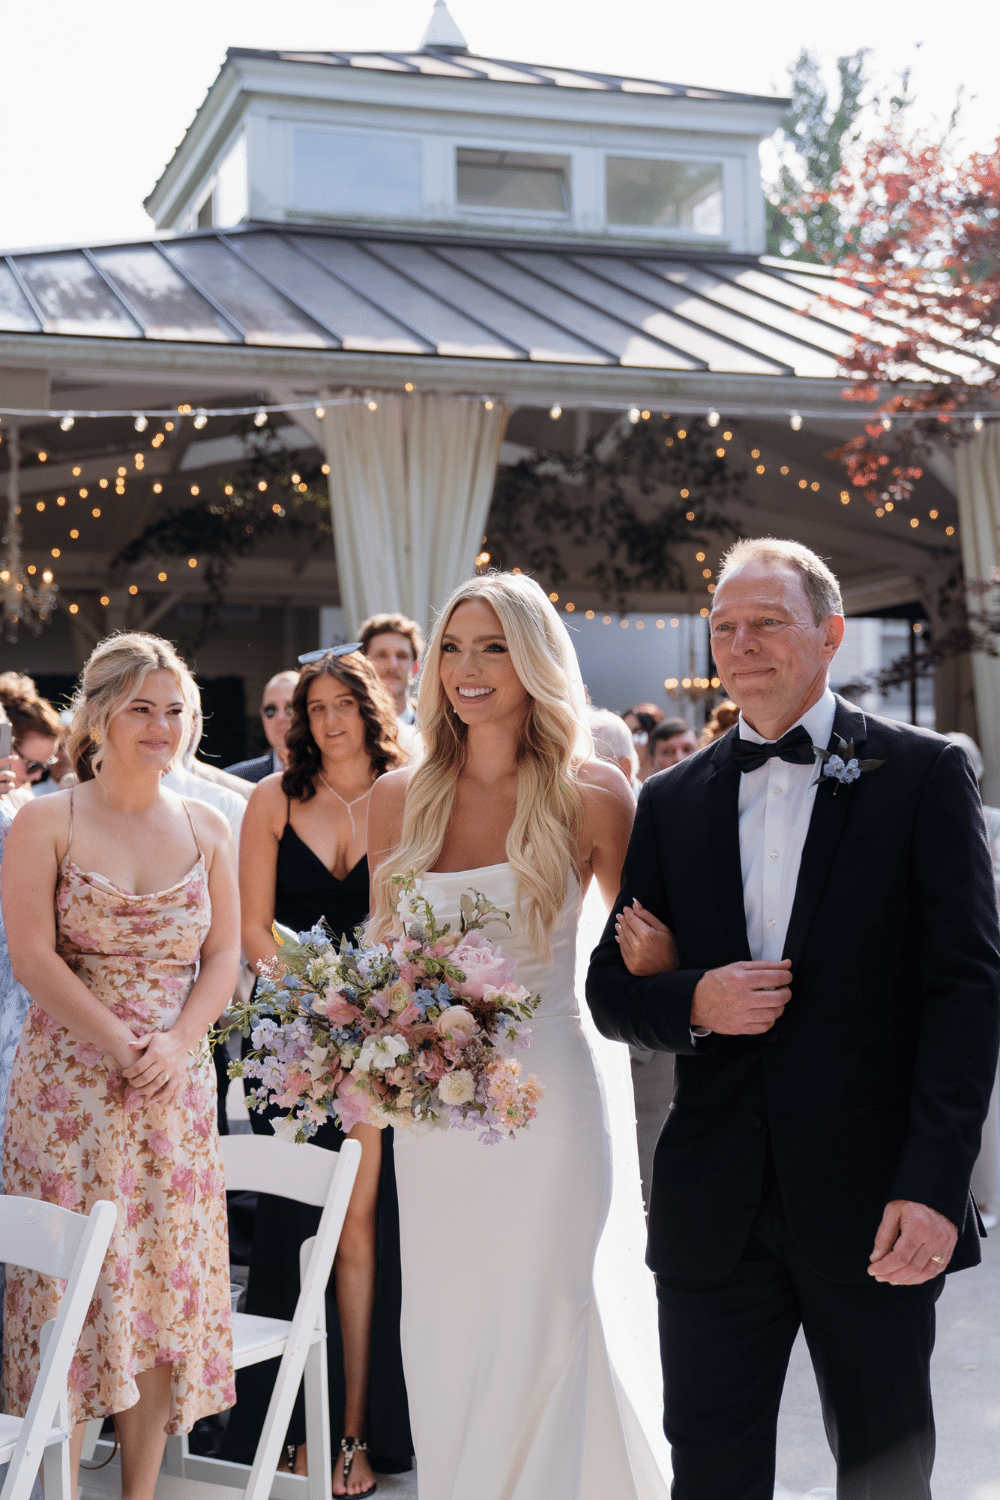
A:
318,1422
55,1472
175,1456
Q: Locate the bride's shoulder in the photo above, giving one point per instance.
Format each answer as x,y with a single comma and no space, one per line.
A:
603,785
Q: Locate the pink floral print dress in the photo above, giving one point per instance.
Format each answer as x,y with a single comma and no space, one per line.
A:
77,1131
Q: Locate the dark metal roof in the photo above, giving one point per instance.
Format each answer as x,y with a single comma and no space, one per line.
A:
440,62
306,288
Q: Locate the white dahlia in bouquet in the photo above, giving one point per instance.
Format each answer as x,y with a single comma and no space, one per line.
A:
419,1032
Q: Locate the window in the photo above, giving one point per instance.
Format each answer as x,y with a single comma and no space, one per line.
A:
231,185
204,220
665,194
356,174
512,181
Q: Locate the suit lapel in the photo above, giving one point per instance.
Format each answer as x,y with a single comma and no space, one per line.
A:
825,827
722,822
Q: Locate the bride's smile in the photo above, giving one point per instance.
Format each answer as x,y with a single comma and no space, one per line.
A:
477,673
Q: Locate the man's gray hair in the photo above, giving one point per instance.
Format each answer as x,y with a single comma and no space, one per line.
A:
818,582
612,737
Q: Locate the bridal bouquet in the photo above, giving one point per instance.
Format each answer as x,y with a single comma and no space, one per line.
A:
418,1033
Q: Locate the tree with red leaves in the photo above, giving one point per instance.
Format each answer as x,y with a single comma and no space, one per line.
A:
924,249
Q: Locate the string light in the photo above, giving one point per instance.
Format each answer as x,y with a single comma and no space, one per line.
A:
713,419
60,500
795,421
133,590
590,614
192,562
260,418
141,423
933,515
373,406
555,412
554,598
978,424
201,420
74,609
74,535
570,607
320,412
949,531
488,404
105,600
157,488
633,415
727,437
845,498
195,489
162,577
66,423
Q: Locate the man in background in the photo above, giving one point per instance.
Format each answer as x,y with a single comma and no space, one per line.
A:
394,645
276,717
672,741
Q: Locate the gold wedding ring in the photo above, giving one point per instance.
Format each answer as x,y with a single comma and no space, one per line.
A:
939,1259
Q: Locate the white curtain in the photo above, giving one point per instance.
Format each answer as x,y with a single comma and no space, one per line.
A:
410,488
977,471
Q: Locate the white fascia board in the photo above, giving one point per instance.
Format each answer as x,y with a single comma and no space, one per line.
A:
199,146
415,92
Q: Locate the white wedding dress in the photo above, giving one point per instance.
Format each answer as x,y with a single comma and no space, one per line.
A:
511,1388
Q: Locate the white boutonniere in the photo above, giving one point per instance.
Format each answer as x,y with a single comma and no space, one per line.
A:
841,766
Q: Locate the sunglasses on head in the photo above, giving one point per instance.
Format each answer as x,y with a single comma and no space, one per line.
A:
312,656
32,767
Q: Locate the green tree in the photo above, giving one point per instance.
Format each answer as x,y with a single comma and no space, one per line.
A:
812,139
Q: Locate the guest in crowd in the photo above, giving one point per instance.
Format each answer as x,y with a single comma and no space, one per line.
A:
672,741
59,765
613,741
642,720
35,724
275,716
719,722
121,908
303,858
394,645
986,1173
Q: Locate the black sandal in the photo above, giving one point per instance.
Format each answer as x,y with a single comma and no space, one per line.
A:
349,1447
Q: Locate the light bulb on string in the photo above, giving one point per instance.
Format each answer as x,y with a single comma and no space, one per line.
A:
713,419
201,420
978,424
795,421
634,415
141,423
555,412
67,422
320,412
886,424
261,418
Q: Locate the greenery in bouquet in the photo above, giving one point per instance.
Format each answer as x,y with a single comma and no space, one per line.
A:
420,1032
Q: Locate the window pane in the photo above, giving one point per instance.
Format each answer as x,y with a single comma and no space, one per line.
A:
665,194
356,174
522,181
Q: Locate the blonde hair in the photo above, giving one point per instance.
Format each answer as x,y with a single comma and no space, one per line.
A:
554,744
114,671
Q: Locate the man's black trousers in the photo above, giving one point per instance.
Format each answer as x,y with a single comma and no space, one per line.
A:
725,1347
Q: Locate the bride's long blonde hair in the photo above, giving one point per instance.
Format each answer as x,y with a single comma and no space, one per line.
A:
541,844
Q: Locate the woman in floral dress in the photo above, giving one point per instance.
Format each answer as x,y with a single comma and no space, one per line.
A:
121,912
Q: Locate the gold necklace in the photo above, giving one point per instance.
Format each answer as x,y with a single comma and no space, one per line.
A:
344,803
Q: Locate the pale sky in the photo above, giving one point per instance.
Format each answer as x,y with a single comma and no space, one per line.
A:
96,96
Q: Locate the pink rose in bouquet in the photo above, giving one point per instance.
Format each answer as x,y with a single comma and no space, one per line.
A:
482,963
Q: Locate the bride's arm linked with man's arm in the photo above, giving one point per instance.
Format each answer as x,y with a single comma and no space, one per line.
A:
637,988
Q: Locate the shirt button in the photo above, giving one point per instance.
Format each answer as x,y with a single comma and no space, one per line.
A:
777,791
774,854
771,922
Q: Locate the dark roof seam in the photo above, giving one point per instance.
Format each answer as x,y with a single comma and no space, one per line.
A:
195,284
604,311
133,312
734,343
524,306
288,234
277,287
27,294
475,318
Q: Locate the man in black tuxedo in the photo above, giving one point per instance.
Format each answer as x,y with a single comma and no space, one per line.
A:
833,1004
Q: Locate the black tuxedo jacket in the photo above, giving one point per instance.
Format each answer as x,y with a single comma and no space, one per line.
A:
253,770
875,1082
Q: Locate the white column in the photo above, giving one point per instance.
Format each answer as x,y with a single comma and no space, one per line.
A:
977,470
410,488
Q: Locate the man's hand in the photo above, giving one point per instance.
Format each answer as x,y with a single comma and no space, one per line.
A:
647,944
742,999
914,1244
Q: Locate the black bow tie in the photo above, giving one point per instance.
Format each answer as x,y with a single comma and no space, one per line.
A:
795,746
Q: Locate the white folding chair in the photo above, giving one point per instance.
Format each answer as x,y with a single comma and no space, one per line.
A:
307,1174
56,1242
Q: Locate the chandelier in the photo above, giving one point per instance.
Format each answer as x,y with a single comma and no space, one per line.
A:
26,599
695,689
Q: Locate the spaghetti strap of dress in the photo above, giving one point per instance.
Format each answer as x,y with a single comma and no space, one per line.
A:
191,821
69,841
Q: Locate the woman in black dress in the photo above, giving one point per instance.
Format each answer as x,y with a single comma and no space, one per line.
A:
303,857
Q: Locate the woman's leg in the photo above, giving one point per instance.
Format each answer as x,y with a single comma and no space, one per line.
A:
142,1433
76,1438
355,1272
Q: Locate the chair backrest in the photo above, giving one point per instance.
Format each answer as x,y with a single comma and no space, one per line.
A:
93,1236
340,1183
263,1164
40,1236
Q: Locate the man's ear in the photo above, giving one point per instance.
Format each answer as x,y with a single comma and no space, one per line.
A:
835,625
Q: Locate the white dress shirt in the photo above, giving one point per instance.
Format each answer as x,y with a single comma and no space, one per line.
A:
776,803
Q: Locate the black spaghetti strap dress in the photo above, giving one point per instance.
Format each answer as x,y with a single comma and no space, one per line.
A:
305,892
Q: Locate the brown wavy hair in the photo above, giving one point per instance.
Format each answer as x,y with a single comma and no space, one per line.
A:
378,715
27,712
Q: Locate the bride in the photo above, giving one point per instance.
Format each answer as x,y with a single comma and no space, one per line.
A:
512,1394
